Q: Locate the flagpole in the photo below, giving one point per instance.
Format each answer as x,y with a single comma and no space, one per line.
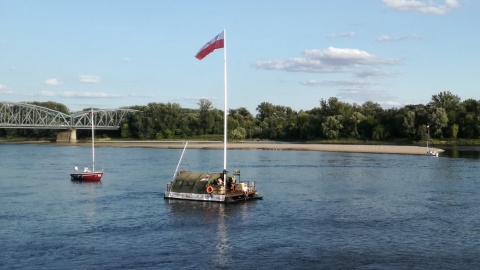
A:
225,104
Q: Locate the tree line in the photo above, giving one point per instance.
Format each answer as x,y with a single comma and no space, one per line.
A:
446,116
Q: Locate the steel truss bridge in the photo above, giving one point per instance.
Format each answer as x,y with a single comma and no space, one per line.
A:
24,115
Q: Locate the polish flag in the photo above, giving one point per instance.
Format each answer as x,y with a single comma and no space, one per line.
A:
216,43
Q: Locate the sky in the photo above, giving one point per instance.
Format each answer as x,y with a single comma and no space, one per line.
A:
110,54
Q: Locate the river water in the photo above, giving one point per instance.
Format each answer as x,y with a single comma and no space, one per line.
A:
320,210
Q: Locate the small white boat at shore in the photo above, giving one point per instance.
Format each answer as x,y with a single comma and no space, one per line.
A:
430,152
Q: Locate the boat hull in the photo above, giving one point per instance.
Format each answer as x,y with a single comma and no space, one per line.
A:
221,198
87,176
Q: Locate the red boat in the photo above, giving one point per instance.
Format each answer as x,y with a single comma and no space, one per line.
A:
87,175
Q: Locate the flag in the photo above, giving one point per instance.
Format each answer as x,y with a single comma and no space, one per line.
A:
216,43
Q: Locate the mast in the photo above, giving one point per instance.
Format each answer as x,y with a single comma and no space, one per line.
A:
225,104
428,136
93,142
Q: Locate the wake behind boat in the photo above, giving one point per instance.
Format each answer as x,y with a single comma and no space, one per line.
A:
87,175
216,186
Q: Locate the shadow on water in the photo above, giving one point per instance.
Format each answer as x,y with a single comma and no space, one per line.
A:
456,151
80,182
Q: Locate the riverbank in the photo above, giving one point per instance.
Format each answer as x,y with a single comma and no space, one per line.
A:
353,148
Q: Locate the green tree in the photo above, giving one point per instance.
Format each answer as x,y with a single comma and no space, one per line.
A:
451,104
409,123
378,132
125,133
206,117
439,121
332,126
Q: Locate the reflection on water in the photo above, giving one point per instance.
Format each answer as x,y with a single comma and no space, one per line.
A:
222,256
472,152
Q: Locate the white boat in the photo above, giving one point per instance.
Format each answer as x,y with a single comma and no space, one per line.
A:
217,186
430,152
87,175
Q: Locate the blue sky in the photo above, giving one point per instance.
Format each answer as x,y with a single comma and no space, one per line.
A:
108,54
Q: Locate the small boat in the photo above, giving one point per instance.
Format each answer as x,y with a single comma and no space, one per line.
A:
430,152
217,186
210,186
87,175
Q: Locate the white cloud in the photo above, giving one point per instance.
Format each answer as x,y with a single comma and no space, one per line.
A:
312,83
390,103
139,95
52,81
362,95
342,35
374,72
422,6
89,94
330,60
70,94
337,83
4,89
47,94
89,79
387,38
347,57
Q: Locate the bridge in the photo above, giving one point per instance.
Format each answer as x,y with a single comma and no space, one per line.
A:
24,115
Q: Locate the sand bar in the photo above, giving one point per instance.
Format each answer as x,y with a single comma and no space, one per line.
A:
353,148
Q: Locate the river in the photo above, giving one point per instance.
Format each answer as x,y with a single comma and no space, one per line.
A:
321,210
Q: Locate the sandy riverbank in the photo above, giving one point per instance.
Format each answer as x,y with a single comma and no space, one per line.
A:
386,149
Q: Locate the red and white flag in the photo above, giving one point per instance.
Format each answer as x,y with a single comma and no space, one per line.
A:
216,43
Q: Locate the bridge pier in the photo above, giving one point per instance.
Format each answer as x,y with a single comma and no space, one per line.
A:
67,136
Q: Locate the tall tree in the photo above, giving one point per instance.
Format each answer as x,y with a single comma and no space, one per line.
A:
409,124
451,104
332,126
439,120
206,117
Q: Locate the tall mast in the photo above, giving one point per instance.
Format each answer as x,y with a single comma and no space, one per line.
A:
225,103
93,142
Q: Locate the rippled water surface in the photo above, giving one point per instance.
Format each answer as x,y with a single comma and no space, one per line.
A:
320,211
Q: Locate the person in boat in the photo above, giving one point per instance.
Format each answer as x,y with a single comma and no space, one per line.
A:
231,183
85,169
220,181
75,170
